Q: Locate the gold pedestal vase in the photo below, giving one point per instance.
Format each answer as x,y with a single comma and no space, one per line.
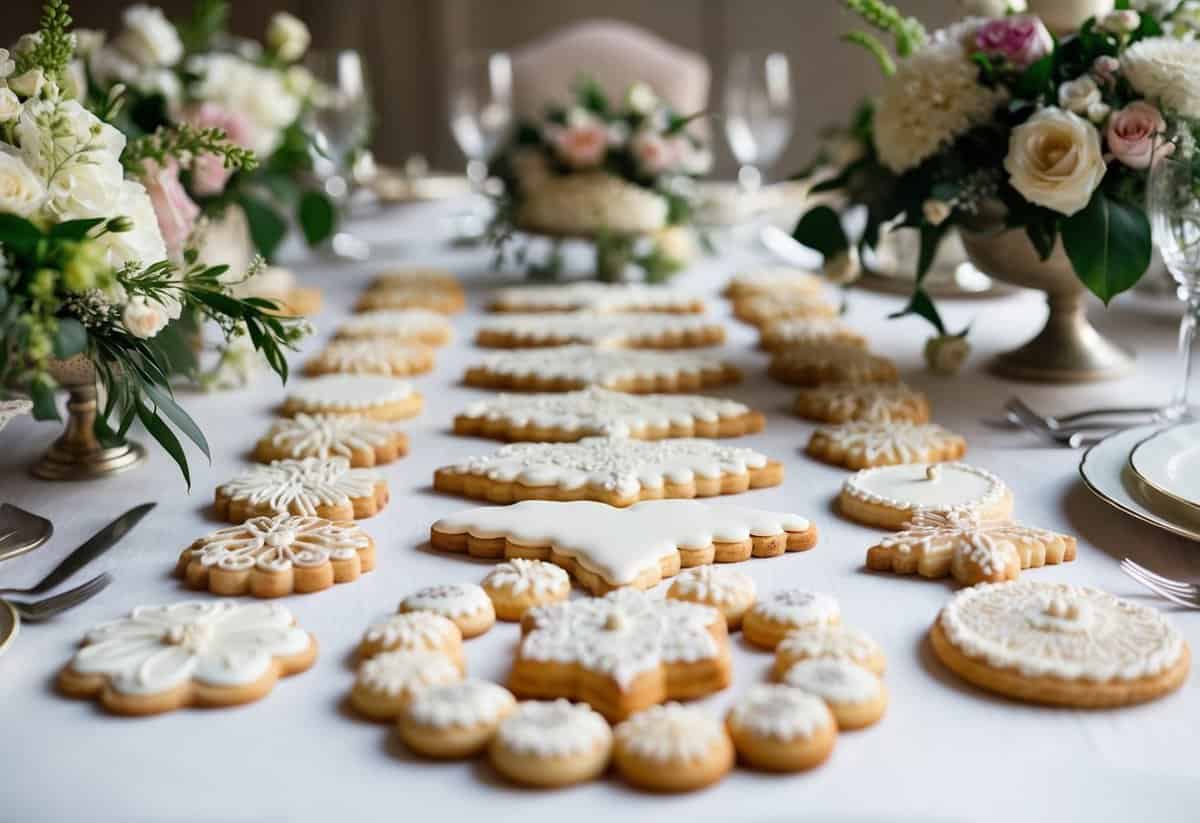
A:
77,454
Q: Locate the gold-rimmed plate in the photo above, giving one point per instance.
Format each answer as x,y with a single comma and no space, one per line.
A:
10,624
1168,461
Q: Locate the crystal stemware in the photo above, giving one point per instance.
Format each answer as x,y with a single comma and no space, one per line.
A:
759,109
481,114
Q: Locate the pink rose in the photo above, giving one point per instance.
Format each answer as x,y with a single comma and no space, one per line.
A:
654,154
1021,40
582,146
175,211
1105,68
209,174
1132,135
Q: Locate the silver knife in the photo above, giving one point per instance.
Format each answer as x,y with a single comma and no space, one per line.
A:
97,545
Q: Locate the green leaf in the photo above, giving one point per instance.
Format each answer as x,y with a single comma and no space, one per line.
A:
75,229
70,338
44,405
175,343
317,217
18,235
3,298
1035,80
922,305
1109,244
931,238
175,413
821,230
165,437
267,228
220,303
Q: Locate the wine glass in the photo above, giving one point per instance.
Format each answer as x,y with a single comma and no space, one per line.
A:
481,114
758,112
1174,201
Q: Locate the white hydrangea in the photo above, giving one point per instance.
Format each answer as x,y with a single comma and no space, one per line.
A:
261,94
1167,71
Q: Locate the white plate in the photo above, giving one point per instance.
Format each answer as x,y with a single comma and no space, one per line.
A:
1106,472
1169,462
10,623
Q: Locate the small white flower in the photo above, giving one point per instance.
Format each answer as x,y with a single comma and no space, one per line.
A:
1125,21
10,105
299,80
149,38
1079,94
843,268
287,36
1098,113
142,318
946,353
21,192
936,211
641,98
28,84
7,65
87,41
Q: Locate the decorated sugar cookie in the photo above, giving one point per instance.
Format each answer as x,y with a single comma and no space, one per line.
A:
454,720
761,309
863,445
822,363
202,653
974,550
807,331
781,729
366,395
773,281
727,590
371,356
616,471
443,301
515,586
565,368
277,555
855,695
414,631
609,298
630,331
430,278
598,411
773,617
547,744
604,547
1060,644
387,682
361,440
828,641
869,403
890,496
622,653
466,604
672,748
312,487
423,326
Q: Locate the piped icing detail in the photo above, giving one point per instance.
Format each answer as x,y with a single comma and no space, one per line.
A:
523,576
406,672
928,488
588,365
460,705
276,544
553,728
780,712
348,392
796,607
300,486
451,600
325,435
716,585
835,681
670,733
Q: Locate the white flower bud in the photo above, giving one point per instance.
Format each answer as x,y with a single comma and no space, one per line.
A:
946,353
843,268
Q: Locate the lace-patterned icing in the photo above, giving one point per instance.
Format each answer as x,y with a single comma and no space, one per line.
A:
829,641
450,600
589,366
670,733
275,544
372,356
781,712
520,575
871,403
891,442
597,297
400,672
599,329
300,486
396,324
833,680
717,585
412,631
799,608
464,704
348,392
928,488
553,728
325,435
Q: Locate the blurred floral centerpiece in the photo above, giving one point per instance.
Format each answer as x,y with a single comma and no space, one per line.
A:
1038,149
620,175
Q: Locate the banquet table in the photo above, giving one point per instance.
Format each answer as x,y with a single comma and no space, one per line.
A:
944,751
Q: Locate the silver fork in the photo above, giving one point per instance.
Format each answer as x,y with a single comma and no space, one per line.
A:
1177,591
48,607
1119,416
1074,438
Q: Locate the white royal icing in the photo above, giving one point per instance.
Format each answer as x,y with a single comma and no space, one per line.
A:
601,367
324,435
621,635
349,392
716,585
920,486
395,324
874,403
219,643
850,363
796,607
620,543
829,641
521,576
371,356
670,733
407,671
945,541
553,728
613,464
780,712
597,410
460,705
598,329
897,442
597,297
451,600
413,630
776,278
836,681
275,544
1057,630
415,277
808,330
300,486
762,307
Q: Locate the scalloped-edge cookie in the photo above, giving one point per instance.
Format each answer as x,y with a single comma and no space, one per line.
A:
630,331
361,440
518,585
327,488
616,471
369,395
855,695
423,326
611,298
725,589
466,604
758,310
386,683
551,743
566,368
869,403
414,632
888,497
772,281
828,641
277,555
779,728
194,653
807,331
454,720
783,611
864,445
371,356
569,416
821,363
672,748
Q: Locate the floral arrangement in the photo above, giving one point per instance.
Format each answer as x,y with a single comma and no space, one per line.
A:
620,174
85,269
995,123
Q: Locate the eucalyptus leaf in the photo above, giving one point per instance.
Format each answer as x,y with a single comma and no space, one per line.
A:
166,438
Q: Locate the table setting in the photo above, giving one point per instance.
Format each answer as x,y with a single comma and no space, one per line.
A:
631,504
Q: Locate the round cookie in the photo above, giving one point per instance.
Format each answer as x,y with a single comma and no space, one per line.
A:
773,281
807,331
1059,644
371,356
368,395
856,697
386,683
781,729
551,743
821,363
454,719
672,748
863,445
727,590
361,440
761,309
784,611
889,496
445,299
414,631
833,641
872,403
466,604
520,584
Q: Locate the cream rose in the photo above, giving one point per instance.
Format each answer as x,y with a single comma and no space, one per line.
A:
142,318
21,192
10,105
7,64
287,36
149,38
1055,160
28,84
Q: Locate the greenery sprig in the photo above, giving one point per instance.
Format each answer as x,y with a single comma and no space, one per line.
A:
184,143
908,32
53,44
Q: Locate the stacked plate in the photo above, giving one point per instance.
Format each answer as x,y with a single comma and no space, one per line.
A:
1151,473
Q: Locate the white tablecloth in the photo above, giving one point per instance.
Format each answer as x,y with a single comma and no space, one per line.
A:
945,751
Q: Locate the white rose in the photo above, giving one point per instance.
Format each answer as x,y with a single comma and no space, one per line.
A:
261,95
843,268
142,318
144,242
936,211
675,243
7,65
149,37
1055,160
641,98
945,354
10,105
1079,95
1125,21
28,84
85,183
287,36
21,192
